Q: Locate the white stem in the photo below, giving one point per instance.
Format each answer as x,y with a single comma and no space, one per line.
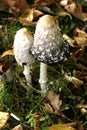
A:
27,73
43,77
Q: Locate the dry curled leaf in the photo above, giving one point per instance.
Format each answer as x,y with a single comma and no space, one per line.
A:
53,110
6,71
80,74
76,11
4,67
80,37
48,107
82,107
75,55
29,15
61,127
54,100
8,52
18,127
77,82
4,116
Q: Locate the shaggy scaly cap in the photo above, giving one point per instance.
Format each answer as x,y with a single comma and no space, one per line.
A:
22,44
49,46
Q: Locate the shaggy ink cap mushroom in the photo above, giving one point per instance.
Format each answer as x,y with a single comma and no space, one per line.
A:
49,46
22,43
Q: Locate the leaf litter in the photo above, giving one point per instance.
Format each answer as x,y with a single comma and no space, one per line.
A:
4,116
27,15
54,102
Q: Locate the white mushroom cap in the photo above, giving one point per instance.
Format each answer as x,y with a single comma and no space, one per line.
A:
22,44
49,46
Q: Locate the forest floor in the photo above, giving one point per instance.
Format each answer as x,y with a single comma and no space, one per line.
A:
66,99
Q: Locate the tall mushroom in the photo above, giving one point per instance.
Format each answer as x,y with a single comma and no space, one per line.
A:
22,43
49,46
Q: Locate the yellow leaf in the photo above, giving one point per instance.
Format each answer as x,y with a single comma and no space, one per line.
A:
4,116
9,52
61,127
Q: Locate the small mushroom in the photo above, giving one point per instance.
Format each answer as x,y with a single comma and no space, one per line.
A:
49,46
22,43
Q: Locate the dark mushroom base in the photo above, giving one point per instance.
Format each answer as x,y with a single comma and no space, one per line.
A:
51,55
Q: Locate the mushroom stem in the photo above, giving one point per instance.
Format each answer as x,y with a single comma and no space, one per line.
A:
27,73
43,77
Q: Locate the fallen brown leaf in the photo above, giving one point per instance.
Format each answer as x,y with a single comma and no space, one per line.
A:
29,15
60,127
37,117
82,66
52,104
80,37
4,116
9,52
77,82
80,74
76,11
17,7
82,59
75,55
54,100
48,107
18,127
6,71
81,105
4,67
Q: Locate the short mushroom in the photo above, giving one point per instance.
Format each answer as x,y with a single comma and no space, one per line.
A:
49,46
22,43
